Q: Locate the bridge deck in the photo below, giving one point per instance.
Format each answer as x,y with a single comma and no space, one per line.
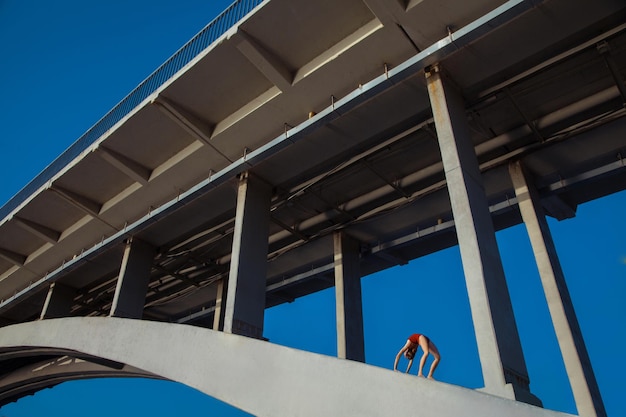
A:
537,87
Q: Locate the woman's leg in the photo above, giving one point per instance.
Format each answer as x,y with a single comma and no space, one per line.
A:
433,349
424,344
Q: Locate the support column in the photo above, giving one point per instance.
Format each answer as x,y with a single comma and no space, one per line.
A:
245,302
58,301
577,363
132,283
220,298
350,339
499,346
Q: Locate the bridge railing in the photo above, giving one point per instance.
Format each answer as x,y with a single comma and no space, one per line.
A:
211,32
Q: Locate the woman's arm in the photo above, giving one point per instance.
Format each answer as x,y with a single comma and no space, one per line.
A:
408,368
404,349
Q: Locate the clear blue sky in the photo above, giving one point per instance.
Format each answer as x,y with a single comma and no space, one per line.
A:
65,63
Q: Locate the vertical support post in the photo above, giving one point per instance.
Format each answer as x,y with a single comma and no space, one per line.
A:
350,338
220,298
245,302
577,363
58,301
132,283
499,346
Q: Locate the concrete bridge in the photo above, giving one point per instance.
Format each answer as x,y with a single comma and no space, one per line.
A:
255,167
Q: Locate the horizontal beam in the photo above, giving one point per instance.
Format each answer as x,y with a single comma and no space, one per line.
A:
267,63
79,201
13,257
39,230
132,169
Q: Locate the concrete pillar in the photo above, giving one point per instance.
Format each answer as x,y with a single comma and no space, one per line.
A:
58,301
499,347
350,339
245,302
132,283
220,298
577,364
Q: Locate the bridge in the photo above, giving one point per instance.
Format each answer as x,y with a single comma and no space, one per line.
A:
210,194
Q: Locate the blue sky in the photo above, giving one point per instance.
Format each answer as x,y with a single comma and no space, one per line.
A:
66,63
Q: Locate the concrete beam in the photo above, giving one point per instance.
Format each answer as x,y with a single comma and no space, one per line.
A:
331,53
45,233
132,283
15,258
127,166
81,202
245,302
197,128
349,304
499,346
266,62
556,207
390,14
577,363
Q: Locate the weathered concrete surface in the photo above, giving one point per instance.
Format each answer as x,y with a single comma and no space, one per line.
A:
259,377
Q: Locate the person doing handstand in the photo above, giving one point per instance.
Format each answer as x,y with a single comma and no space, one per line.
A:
410,349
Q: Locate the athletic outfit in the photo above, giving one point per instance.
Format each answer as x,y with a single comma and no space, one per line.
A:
415,338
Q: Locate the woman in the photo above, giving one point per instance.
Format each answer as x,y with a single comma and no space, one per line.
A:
410,349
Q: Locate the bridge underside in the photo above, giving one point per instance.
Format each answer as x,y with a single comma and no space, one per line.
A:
545,88
256,376
259,157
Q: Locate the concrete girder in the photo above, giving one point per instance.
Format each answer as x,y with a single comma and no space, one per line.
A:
132,169
555,206
254,105
604,49
197,128
15,258
259,377
368,29
387,12
390,14
46,233
272,67
85,204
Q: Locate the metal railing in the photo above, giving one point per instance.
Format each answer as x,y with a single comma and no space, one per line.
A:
211,32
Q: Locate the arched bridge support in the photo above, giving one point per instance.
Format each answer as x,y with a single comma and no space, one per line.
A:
257,376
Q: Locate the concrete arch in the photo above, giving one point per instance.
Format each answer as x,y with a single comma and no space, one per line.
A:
28,370
257,376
